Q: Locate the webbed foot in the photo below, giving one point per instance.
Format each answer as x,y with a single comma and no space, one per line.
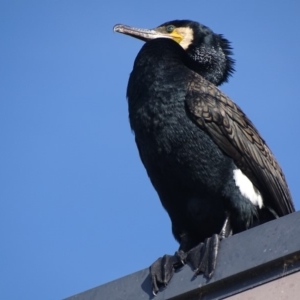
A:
203,257
163,269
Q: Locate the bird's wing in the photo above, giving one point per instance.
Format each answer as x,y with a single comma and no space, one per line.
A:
235,134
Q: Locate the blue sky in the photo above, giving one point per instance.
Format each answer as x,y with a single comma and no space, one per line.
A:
76,207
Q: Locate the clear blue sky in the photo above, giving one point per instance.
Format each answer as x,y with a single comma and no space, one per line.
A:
76,207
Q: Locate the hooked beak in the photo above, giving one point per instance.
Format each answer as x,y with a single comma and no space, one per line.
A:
140,33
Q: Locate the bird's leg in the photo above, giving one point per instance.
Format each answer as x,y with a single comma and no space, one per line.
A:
203,257
226,230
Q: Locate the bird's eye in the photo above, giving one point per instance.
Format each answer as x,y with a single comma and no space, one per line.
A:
170,28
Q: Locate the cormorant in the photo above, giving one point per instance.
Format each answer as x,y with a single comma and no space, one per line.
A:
213,172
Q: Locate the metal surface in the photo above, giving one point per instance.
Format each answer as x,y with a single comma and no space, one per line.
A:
284,288
245,260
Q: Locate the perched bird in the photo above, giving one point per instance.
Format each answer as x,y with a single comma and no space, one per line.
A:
213,172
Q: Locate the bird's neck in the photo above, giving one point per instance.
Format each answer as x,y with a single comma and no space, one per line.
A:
158,72
209,62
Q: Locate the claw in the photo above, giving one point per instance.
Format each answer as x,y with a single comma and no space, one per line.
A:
181,257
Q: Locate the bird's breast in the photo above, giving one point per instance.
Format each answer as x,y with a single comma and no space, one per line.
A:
173,148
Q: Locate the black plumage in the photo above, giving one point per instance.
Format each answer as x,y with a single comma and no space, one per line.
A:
213,172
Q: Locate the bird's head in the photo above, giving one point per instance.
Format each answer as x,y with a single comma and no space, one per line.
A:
209,50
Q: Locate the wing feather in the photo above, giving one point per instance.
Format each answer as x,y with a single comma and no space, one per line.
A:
235,134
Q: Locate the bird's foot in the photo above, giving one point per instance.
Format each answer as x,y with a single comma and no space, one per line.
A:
163,269
203,257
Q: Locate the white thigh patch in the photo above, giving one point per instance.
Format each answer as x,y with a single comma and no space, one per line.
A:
247,189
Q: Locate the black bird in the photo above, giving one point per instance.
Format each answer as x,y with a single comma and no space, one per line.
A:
212,170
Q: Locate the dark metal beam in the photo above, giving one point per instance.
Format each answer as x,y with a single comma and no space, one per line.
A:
245,260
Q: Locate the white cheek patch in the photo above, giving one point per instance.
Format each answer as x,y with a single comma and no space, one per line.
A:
188,36
246,188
